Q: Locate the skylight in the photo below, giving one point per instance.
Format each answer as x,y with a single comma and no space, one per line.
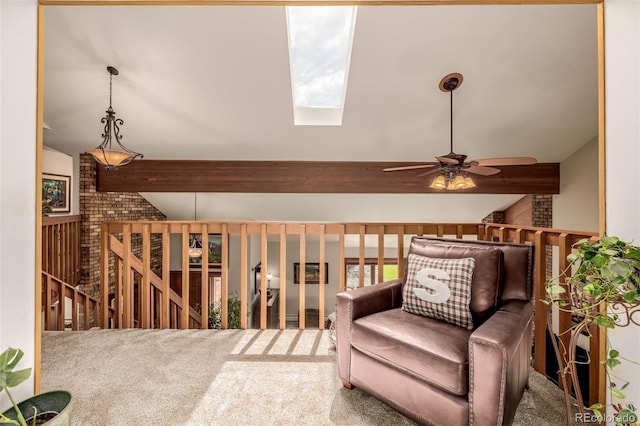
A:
320,40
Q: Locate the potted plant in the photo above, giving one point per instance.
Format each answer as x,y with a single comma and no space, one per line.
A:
603,290
50,408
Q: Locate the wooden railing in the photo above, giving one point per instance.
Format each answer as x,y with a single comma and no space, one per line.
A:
166,312
61,247
149,316
85,310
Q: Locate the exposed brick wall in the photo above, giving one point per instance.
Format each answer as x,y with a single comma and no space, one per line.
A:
542,215
494,217
96,207
530,210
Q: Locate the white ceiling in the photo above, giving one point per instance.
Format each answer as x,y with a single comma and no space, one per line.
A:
213,82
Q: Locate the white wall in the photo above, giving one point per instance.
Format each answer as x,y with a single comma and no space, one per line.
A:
576,207
622,53
58,163
18,30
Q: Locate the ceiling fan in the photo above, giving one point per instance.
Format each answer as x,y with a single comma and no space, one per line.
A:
453,168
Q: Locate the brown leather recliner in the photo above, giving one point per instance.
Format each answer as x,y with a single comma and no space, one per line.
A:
435,372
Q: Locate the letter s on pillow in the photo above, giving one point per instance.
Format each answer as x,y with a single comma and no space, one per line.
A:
440,292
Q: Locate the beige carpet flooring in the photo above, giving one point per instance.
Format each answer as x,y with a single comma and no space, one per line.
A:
231,377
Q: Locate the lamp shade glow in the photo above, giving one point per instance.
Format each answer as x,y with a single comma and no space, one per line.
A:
439,183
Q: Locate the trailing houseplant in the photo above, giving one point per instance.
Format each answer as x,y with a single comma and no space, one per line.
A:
601,287
50,408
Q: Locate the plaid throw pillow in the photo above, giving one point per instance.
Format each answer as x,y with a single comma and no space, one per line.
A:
439,288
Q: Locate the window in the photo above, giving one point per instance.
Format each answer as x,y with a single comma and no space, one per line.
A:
371,271
320,41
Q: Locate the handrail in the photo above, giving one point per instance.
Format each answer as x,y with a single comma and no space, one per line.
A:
61,247
136,264
55,291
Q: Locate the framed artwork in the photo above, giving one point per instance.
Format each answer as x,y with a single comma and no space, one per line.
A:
311,273
56,192
214,253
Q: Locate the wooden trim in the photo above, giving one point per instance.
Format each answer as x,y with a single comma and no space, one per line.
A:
597,371
37,337
312,177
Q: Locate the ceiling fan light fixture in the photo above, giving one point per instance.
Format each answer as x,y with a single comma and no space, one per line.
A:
103,153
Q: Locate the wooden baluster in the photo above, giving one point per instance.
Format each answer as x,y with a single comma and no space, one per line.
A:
145,287
104,275
263,274
380,277
166,278
184,313
244,262
283,276
204,276
323,278
74,309
361,246
301,274
539,294
342,278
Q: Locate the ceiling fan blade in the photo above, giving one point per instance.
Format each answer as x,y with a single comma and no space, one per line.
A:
397,169
428,173
483,170
507,161
447,160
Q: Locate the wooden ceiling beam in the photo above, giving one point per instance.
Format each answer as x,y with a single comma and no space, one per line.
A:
345,177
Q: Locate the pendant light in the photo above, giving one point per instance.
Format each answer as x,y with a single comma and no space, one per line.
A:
195,247
103,153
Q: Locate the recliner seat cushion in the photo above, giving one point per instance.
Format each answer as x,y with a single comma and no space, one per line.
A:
431,350
486,283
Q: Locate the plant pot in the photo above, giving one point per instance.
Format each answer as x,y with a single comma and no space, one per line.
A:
49,402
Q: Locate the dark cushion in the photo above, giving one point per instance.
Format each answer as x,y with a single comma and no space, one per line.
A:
439,288
430,350
486,280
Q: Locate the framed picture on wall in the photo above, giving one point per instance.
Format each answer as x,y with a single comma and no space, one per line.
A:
311,273
214,253
56,192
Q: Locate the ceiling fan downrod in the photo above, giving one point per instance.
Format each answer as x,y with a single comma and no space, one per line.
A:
449,83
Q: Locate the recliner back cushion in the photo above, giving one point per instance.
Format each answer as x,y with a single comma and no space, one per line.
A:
486,280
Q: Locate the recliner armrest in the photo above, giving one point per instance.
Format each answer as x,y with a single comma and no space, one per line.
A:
364,301
356,303
499,358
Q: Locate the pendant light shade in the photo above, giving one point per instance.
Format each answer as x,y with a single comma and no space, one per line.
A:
104,153
195,246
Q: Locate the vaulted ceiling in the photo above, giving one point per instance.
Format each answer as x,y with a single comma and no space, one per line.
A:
213,82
